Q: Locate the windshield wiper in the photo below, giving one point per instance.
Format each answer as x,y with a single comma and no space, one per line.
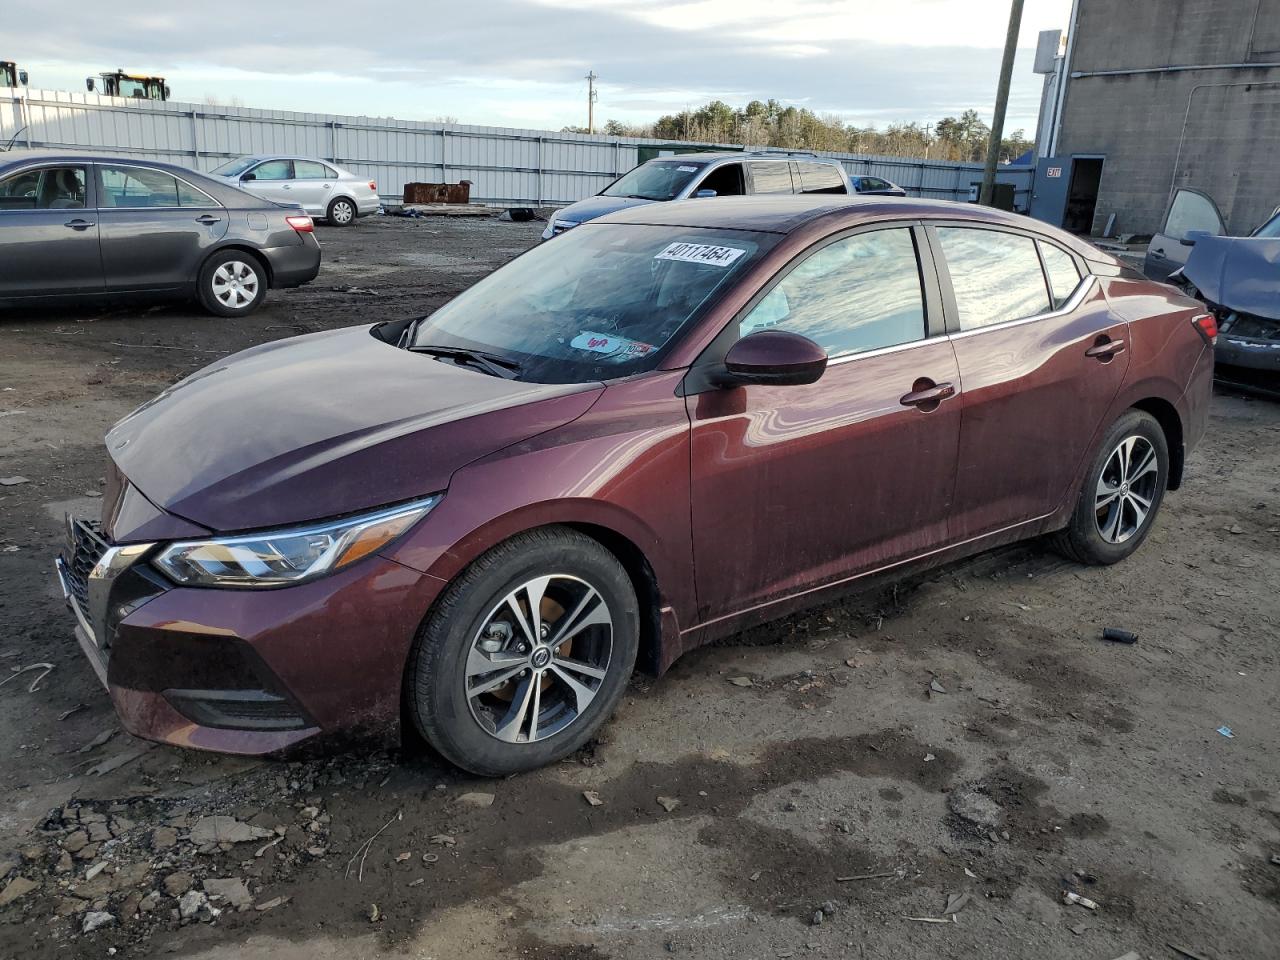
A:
488,362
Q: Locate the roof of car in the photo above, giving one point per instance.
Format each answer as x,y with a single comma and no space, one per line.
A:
707,155
787,213
22,155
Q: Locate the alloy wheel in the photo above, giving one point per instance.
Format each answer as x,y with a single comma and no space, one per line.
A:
342,212
1126,489
539,658
235,284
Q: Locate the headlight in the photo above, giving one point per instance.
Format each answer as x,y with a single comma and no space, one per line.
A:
276,557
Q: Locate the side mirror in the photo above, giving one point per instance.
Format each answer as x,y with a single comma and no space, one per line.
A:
248,176
774,357
23,78
702,194
88,84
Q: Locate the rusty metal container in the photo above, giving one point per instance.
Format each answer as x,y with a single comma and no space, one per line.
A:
457,193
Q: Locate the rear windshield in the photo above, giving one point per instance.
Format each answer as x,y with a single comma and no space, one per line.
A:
655,180
234,168
600,302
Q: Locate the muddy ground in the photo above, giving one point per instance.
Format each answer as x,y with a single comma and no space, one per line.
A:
836,778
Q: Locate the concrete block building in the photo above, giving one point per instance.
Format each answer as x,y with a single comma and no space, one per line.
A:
1158,94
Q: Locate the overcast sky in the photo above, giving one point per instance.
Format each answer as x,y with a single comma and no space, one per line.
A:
521,63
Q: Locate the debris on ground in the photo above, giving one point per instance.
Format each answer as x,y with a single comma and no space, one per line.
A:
96,919
12,481
1069,897
356,291
1116,635
936,687
592,798
865,876
98,741
374,913
223,829
956,902
668,803
44,669
1185,952
742,681
17,887
476,799
1226,732
950,919
232,890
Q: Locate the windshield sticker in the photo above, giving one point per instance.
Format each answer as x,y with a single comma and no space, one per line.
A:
687,169
617,348
700,253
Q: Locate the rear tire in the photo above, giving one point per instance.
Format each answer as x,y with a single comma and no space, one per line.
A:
232,283
342,212
1121,494
495,691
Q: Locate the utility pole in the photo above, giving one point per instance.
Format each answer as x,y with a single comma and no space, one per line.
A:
1002,102
591,101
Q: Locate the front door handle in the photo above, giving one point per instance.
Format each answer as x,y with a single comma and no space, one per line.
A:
1105,349
1159,252
79,224
926,395
207,220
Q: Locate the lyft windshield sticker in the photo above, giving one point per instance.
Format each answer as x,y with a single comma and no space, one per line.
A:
687,169
700,253
619,348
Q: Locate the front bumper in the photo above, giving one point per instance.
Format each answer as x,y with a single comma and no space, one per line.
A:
245,671
295,264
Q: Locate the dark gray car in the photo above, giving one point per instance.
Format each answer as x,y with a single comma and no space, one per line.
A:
79,227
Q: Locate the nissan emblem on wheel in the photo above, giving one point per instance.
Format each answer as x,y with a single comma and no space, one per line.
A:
672,422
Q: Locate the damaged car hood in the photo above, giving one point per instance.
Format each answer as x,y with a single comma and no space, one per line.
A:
322,425
1238,273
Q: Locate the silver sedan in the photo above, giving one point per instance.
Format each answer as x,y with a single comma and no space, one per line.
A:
324,190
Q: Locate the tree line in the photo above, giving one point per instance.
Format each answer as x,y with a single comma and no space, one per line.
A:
768,123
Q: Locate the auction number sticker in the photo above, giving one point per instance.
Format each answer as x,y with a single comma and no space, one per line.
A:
700,253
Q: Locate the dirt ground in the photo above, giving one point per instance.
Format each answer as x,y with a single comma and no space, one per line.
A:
809,789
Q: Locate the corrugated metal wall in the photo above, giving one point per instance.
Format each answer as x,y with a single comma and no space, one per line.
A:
506,166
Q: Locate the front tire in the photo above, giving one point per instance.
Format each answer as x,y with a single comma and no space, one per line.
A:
526,654
232,283
342,212
1122,492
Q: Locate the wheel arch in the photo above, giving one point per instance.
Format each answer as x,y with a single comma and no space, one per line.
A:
262,261
1166,414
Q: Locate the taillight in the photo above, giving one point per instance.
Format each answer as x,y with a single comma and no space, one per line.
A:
373,185
301,224
1206,325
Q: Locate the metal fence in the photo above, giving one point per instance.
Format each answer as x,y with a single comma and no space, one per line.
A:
506,166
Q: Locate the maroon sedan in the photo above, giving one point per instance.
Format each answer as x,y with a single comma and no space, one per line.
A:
669,424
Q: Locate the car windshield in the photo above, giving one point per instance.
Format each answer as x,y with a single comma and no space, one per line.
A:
598,303
1271,228
233,168
655,180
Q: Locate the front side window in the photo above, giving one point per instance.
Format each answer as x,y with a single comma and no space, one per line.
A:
1191,211
995,276
141,187
857,294
274,170
47,188
725,180
770,176
600,303
1064,275
655,180
311,170
233,168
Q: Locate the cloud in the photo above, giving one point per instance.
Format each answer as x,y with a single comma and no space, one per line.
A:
508,62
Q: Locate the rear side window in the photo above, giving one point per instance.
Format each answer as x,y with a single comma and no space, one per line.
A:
1063,274
135,187
996,276
820,178
857,294
770,176
311,170
1191,211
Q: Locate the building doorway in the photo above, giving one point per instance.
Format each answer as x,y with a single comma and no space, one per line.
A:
1082,194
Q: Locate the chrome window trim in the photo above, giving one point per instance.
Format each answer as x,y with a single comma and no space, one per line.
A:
143,166
49,165
881,351
1073,303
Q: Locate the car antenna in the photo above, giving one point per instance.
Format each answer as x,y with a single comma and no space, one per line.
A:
9,146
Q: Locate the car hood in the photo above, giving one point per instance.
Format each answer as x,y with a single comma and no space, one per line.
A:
323,425
598,206
1238,273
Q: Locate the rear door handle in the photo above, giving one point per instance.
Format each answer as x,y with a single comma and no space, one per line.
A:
1105,350
207,220
928,396
79,224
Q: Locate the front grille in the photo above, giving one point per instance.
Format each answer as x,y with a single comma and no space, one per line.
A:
84,550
